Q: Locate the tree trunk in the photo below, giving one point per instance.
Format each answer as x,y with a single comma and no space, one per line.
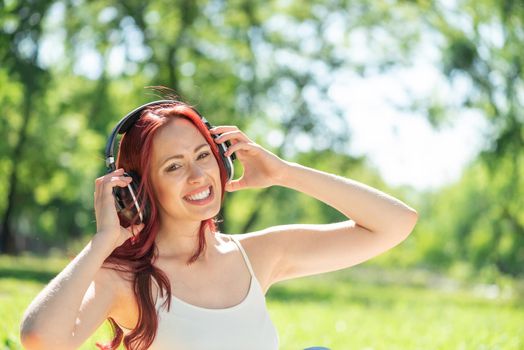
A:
7,238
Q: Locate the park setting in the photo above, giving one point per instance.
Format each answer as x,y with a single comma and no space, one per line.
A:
420,99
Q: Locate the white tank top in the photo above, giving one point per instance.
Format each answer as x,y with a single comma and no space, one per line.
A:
246,325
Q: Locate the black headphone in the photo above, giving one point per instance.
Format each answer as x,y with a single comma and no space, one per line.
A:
126,198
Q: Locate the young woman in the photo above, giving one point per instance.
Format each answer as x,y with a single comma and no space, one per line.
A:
174,281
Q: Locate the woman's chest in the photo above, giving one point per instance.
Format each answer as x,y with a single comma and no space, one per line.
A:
223,285
216,287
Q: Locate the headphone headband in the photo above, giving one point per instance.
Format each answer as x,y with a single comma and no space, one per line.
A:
127,122
132,117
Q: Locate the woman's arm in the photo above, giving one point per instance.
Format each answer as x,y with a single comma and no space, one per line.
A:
74,304
377,221
49,322
368,207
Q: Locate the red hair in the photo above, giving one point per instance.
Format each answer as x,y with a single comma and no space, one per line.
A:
137,254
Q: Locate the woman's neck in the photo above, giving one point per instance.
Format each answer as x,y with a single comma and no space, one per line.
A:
181,241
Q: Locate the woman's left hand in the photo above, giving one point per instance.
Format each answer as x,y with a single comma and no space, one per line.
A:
261,167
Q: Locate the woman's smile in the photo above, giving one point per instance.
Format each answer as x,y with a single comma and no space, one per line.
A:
201,197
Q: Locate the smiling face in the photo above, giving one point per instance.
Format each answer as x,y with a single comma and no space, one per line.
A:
185,174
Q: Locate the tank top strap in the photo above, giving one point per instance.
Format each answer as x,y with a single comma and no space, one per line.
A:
246,259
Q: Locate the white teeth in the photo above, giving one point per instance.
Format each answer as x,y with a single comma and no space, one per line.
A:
201,195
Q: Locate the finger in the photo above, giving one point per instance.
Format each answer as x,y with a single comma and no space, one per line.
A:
99,181
116,172
223,128
235,185
98,185
109,179
102,179
238,146
114,181
232,136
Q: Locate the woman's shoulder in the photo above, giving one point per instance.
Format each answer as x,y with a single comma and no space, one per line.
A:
246,240
255,242
262,257
125,308
119,280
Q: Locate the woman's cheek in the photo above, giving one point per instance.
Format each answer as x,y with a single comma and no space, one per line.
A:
213,165
168,187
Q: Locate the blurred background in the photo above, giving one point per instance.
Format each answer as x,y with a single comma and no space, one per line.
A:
420,99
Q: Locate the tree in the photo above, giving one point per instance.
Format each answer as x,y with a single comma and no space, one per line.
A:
19,39
481,44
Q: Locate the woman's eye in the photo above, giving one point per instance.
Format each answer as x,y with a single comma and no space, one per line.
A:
175,166
172,167
203,155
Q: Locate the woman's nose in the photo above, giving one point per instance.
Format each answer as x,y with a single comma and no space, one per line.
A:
195,173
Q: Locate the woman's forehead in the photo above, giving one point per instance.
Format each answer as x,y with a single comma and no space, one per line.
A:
178,136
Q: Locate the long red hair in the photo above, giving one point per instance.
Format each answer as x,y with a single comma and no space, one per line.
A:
136,256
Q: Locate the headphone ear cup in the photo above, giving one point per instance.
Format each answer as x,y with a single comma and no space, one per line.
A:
222,148
127,201
227,161
135,185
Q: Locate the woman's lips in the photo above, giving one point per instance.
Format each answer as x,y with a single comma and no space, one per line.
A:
204,201
198,190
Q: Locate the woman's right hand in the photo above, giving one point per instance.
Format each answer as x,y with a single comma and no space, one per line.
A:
108,230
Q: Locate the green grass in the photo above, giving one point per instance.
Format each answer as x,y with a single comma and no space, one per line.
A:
342,310
359,308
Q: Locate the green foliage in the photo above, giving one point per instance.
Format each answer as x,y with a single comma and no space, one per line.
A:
486,231
266,67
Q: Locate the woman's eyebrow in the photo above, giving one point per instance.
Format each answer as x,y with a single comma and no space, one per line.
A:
178,156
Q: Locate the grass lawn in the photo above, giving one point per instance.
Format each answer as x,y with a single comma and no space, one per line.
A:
358,308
